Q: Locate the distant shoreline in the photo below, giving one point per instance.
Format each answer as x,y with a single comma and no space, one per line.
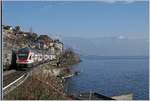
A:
115,57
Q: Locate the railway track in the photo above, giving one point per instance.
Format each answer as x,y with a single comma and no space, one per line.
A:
11,86
14,79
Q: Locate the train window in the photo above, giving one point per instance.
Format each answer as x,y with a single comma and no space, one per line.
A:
30,58
22,56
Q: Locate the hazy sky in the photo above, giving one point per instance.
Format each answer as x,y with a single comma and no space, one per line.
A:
80,19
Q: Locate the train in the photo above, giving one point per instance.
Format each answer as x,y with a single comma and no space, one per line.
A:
25,57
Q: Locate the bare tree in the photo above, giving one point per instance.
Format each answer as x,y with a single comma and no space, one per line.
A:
17,29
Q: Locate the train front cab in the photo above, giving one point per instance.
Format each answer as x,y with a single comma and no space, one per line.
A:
25,59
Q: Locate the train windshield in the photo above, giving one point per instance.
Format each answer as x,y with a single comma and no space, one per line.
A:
23,53
23,56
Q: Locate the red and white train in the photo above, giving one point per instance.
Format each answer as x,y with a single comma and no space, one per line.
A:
27,57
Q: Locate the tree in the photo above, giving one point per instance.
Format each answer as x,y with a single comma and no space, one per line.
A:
17,29
6,27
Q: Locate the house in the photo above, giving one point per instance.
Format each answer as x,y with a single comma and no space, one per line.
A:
58,45
42,45
7,29
51,44
45,41
52,50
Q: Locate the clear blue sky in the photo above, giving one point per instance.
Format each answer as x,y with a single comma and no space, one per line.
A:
81,19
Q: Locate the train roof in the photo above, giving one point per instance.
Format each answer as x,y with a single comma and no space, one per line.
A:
24,49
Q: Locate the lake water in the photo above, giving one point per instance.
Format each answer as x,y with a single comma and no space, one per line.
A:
112,76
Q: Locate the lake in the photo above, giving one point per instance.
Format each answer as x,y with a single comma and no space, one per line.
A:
111,76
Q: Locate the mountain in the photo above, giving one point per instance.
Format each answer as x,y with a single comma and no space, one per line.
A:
108,46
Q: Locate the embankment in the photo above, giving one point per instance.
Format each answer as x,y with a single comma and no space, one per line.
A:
44,83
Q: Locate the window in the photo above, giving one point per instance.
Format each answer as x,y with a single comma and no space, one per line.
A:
22,56
30,58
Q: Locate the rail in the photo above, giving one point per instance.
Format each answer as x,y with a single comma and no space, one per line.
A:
14,84
11,86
